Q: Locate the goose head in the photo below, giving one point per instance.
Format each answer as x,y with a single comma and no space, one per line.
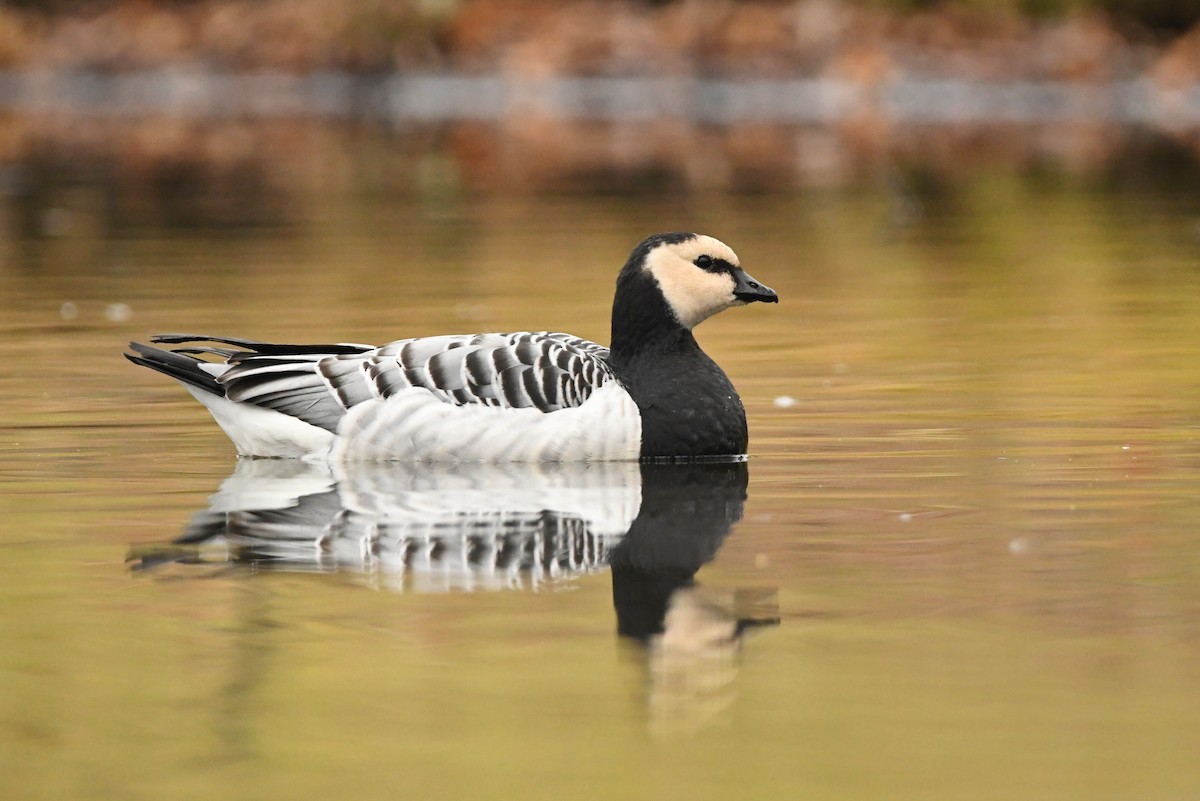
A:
696,275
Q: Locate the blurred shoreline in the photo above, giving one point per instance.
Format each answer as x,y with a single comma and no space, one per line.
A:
449,97
867,43
231,112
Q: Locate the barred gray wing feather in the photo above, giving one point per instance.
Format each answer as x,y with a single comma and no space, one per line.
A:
288,384
544,371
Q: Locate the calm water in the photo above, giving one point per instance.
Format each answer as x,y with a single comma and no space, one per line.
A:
961,563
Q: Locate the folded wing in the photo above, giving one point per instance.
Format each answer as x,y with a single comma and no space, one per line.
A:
320,383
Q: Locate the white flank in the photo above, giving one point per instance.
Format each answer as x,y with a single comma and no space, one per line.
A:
256,431
413,425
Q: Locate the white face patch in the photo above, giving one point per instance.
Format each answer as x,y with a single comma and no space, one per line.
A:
692,293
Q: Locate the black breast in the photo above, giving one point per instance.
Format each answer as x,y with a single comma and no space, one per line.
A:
688,406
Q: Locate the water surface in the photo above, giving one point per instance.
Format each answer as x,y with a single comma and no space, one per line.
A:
968,527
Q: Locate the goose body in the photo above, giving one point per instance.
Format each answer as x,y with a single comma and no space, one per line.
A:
524,396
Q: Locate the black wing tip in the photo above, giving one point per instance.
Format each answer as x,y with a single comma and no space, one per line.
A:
137,360
176,339
257,348
176,365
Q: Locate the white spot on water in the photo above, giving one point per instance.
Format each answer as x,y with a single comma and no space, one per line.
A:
1018,546
785,402
761,560
905,517
68,311
118,312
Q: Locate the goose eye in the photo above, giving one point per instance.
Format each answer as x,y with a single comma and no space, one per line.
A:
703,262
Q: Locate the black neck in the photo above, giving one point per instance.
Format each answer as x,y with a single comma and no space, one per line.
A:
642,322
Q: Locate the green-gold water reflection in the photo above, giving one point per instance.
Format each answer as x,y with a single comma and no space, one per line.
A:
974,518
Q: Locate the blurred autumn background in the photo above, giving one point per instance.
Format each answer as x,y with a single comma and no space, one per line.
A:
974,415
227,111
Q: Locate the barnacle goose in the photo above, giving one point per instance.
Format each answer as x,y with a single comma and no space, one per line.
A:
653,393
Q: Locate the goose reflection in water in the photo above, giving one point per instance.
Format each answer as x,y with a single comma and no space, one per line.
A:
691,635
414,527
504,526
